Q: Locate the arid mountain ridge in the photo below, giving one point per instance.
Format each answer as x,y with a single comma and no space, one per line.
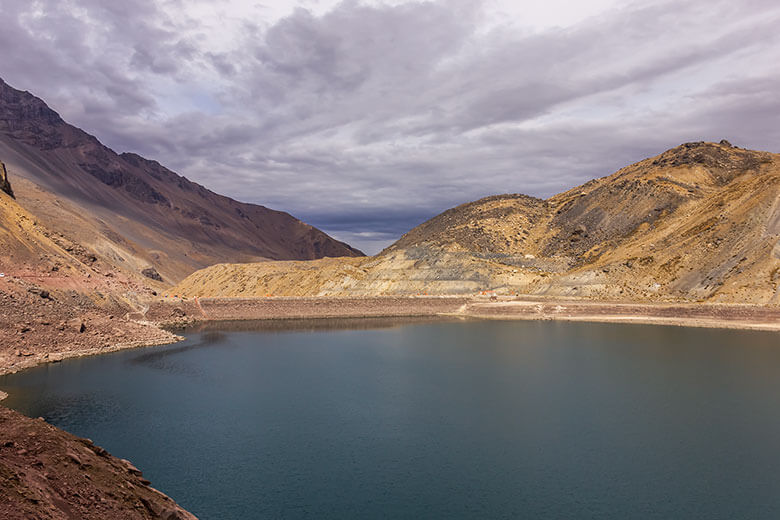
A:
133,211
700,222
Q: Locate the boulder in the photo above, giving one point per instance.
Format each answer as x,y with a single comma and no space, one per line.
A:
151,272
77,325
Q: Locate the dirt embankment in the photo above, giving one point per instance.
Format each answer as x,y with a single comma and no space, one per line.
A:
488,306
690,315
39,326
223,309
46,473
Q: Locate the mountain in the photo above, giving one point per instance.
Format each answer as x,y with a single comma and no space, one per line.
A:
700,222
133,211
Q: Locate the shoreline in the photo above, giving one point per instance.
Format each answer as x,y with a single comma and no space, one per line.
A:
709,315
641,320
702,315
58,356
162,315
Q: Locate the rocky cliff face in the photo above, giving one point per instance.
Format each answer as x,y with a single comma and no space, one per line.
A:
135,210
700,222
5,184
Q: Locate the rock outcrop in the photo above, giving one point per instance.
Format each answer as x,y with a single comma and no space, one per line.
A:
700,222
151,272
48,473
5,184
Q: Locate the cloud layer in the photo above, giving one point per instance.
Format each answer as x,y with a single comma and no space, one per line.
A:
367,118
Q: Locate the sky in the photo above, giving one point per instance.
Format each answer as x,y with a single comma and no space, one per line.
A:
367,117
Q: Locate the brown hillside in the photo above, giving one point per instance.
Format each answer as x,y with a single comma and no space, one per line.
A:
136,210
699,222
33,253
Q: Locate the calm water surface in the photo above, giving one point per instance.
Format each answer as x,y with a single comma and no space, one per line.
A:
538,420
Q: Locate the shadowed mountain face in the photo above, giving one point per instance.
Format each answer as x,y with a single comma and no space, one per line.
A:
133,210
699,222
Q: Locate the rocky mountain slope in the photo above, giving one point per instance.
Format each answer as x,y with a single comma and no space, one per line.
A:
30,252
133,211
700,222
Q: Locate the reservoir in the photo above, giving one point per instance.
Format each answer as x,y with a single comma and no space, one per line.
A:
435,419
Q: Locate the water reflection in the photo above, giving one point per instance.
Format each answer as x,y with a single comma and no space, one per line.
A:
206,339
314,325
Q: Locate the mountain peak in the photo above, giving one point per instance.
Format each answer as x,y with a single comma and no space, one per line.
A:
721,155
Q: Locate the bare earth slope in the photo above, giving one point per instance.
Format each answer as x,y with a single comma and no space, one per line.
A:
135,210
57,300
700,222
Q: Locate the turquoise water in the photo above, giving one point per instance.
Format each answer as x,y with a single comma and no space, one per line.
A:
470,419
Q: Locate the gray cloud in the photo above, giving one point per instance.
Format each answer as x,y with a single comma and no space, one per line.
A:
370,118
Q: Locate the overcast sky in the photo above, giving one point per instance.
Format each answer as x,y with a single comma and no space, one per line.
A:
365,118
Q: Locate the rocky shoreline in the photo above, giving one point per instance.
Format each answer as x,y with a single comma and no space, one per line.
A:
40,326
727,316
46,473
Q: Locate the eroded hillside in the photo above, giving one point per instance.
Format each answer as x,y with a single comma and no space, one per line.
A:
700,222
134,210
33,252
